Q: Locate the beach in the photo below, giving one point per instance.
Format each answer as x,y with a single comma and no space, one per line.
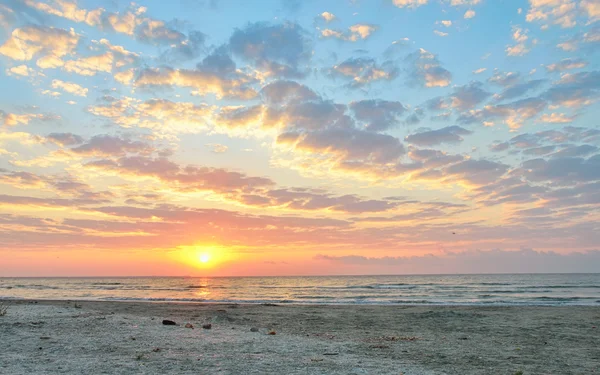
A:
97,337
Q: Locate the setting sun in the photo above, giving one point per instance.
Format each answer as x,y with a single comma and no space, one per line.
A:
204,257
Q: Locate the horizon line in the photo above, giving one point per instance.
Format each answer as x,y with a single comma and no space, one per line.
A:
290,276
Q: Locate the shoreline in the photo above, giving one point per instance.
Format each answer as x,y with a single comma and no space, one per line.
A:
294,303
77,336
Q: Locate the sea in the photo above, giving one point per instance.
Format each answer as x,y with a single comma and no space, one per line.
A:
505,289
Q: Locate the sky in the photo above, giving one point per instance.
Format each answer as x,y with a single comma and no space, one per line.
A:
288,137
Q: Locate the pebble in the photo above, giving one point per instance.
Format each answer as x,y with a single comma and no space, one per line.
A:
207,326
189,325
272,332
168,322
253,329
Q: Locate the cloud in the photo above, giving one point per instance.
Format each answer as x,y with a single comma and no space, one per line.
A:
187,49
328,17
189,178
132,22
306,199
168,226
235,117
499,146
65,139
156,32
449,134
363,71
479,71
238,187
519,89
440,33
70,87
353,34
282,91
556,118
108,145
24,180
277,50
476,261
89,66
523,45
589,41
397,47
377,115
307,115
469,14
46,44
425,70
568,134
13,119
22,70
217,148
161,115
216,74
566,64
575,151
67,9
409,3
539,151
468,96
513,114
433,158
562,12
7,17
563,170
574,89
476,172
464,2
347,144
124,77
321,131
166,114
505,79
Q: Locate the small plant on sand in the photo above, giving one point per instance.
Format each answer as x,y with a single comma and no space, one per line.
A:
139,357
3,308
519,373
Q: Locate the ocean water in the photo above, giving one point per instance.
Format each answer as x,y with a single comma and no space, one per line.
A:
518,289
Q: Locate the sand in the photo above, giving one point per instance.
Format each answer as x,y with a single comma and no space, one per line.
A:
66,337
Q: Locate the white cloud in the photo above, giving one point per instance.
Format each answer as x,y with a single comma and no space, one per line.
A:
409,3
328,17
69,87
355,33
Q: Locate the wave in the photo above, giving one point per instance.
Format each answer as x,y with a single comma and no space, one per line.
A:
31,286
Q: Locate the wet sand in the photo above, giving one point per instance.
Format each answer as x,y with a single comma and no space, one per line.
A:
67,337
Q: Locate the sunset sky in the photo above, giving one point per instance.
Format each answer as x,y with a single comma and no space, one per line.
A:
289,137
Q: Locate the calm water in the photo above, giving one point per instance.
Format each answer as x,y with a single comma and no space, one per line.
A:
521,289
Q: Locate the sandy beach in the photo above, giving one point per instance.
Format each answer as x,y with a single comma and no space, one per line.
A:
68,337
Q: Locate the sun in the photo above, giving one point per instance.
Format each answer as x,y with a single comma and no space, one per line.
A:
204,258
